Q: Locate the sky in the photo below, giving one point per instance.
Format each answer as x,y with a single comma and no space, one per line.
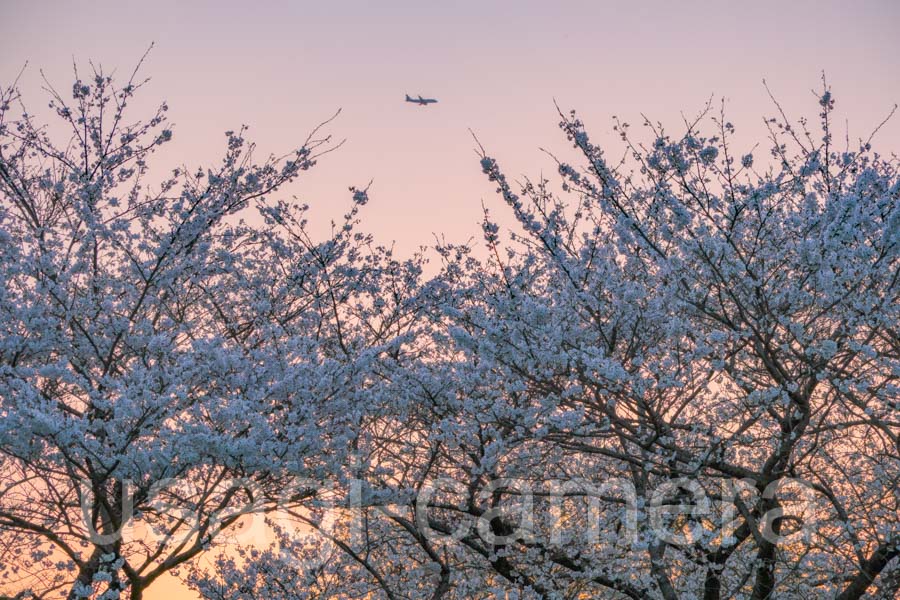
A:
495,67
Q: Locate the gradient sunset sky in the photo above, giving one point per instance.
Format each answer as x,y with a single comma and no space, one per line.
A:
496,67
283,67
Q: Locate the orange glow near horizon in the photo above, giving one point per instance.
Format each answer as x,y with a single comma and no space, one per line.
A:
168,587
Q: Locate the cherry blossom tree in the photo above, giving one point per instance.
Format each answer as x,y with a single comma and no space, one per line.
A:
672,376
677,379
697,327
173,355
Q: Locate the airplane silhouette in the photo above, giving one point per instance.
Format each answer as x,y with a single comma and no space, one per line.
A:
420,100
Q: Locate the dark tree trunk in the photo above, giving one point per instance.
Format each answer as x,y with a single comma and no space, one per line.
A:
868,571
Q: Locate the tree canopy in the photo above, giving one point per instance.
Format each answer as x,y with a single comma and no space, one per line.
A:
674,375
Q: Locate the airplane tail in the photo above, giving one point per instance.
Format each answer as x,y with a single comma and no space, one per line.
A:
408,99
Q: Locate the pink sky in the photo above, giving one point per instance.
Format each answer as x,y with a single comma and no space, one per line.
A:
495,66
282,67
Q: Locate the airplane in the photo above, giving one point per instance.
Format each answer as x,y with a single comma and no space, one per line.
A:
420,100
